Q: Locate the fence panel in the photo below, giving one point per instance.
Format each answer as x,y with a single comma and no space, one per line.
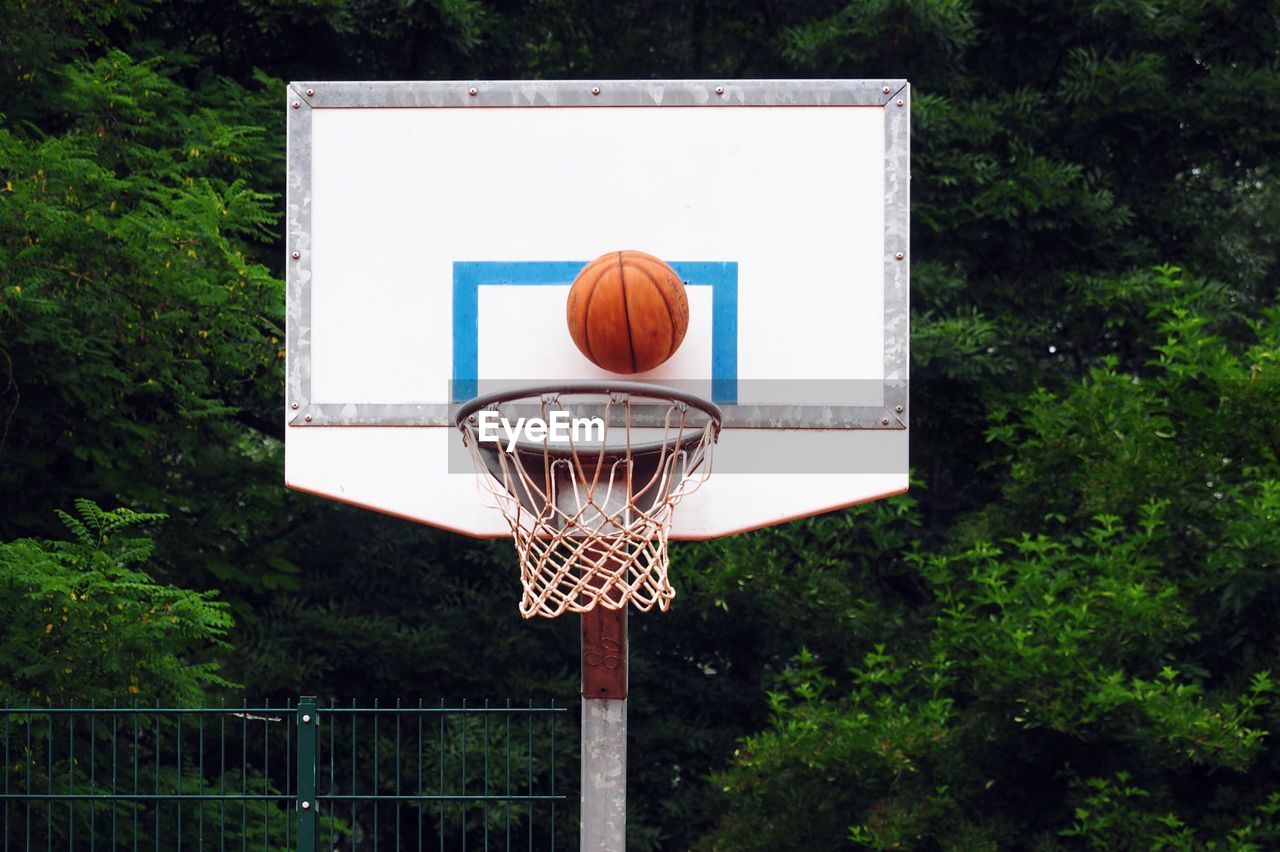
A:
295,776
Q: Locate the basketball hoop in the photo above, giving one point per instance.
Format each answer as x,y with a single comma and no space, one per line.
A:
700,299
590,503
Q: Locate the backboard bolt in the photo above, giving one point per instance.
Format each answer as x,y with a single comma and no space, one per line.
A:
719,90
307,418
899,255
473,91
901,102
297,104
294,406
885,90
898,408
296,255
884,422
595,90
310,92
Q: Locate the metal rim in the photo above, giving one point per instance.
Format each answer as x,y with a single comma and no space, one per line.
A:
643,389
652,391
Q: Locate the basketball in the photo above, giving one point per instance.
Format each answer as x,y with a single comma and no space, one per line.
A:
627,311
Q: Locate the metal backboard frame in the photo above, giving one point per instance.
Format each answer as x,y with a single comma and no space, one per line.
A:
890,94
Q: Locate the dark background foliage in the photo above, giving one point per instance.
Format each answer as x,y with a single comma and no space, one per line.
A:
1062,638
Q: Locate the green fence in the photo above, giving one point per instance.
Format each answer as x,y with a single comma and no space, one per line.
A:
297,776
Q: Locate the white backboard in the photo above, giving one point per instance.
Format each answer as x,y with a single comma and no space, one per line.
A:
434,230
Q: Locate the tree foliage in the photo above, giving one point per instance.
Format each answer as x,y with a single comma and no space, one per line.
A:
1095,662
82,621
1064,637
142,332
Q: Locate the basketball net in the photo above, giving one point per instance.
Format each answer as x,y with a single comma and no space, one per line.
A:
590,519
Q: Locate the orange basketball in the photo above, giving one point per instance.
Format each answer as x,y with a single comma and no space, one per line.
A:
627,311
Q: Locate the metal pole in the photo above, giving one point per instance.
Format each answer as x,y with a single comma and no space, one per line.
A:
604,667
604,730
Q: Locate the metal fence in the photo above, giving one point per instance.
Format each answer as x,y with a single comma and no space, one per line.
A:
299,776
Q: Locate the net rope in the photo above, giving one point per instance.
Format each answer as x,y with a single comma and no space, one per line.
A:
590,519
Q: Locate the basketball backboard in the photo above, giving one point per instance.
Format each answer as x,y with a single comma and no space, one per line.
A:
434,230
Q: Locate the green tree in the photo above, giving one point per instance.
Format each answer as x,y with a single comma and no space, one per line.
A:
83,621
140,335
1060,149
1105,681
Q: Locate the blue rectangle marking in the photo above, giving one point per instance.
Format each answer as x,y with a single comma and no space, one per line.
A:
470,275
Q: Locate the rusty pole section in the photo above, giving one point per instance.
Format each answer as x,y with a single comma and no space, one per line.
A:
604,653
604,730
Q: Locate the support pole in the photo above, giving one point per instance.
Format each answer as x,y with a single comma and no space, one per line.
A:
604,730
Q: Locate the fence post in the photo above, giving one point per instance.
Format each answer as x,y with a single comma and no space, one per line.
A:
308,720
